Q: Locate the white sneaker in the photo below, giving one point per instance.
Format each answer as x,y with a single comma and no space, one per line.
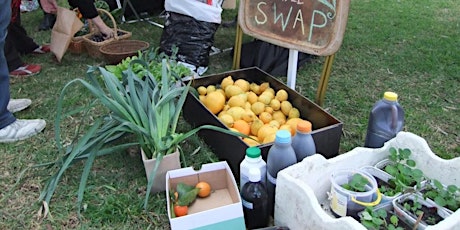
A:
16,105
21,129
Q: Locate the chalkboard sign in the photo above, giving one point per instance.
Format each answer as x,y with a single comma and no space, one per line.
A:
310,26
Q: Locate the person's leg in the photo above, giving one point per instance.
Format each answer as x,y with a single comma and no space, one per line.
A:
6,117
48,20
21,40
11,129
13,59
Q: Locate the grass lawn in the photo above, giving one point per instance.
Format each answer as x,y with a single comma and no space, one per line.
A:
410,47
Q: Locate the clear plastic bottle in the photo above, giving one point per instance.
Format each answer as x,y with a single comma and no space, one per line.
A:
303,143
253,159
255,201
280,155
386,119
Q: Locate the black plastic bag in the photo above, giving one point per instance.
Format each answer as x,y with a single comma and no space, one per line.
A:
270,58
193,38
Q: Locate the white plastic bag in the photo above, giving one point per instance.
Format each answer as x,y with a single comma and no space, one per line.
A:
196,9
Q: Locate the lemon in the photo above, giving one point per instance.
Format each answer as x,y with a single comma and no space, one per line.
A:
251,142
232,90
286,106
254,88
248,116
288,128
236,112
270,91
252,97
265,117
264,98
214,101
255,126
281,95
269,138
294,112
202,90
227,119
275,104
226,82
243,84
269,110
266,130
258,107
237,100
210,88
264,86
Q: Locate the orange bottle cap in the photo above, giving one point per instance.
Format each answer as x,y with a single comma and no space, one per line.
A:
304,126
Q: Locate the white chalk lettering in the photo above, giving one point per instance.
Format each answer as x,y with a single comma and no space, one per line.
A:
259,8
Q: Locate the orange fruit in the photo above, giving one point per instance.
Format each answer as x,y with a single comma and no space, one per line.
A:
180,210
205,189
242,126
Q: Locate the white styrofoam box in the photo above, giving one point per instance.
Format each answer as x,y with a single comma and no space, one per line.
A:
301,200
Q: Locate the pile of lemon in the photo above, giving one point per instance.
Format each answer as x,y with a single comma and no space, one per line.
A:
256,110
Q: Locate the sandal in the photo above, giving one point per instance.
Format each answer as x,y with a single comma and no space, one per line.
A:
42,49
26,70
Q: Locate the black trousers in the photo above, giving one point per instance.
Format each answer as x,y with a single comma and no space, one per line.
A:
17,43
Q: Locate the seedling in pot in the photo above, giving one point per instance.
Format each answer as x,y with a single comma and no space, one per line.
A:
403,169
448,197
381,219
422,211
356,184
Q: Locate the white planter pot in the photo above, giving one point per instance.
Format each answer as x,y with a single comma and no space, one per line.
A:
301,200
383,176
410,217
169,162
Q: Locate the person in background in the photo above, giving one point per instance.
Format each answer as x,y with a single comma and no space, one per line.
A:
18,42
87,9
12,129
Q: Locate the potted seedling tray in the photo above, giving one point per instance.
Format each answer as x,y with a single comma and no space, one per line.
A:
447,196
303,192
327,130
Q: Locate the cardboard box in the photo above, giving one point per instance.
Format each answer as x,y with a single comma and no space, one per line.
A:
221,210
327,130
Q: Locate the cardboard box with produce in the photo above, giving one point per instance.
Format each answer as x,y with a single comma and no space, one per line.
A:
204,199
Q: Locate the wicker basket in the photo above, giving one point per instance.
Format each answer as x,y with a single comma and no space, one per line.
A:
92,47
76,45
116,51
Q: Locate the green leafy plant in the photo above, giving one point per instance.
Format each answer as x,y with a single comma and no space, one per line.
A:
144,108
403,169
448,196
379,219
154,66
357,183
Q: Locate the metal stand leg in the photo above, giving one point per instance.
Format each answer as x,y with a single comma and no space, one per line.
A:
138,18
237,49
322,86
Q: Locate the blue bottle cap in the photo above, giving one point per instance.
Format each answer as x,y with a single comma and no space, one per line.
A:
283,136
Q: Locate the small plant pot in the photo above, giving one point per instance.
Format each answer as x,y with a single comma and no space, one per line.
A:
440,196
348,203
381,164
382,223
169,162
382,179
432,213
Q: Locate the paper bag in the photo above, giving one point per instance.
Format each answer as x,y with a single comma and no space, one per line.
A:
66,26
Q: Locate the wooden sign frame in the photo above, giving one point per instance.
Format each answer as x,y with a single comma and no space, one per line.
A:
311,26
